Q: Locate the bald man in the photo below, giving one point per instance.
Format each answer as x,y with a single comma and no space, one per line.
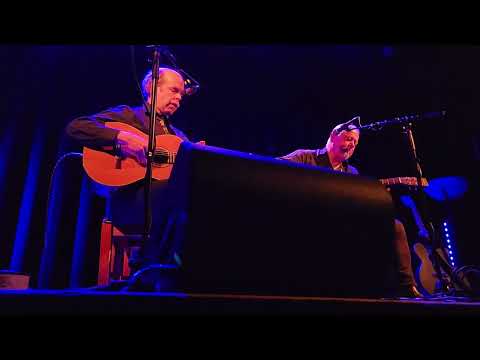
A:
127,204
339,148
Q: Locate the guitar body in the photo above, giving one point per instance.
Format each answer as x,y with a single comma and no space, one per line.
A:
112,172
425,275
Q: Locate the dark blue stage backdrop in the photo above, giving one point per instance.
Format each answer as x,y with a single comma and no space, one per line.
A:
265,99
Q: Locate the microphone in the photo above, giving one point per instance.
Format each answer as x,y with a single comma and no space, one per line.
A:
191,85
191,89
406,119
349,125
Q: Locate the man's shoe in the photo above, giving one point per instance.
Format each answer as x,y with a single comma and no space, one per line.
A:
409,291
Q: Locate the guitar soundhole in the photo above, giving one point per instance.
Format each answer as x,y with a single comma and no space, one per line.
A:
160,160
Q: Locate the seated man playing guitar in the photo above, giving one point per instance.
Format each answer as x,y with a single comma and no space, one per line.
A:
116,142
339,148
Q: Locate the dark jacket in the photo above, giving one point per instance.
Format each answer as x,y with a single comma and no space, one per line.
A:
91,131
318,157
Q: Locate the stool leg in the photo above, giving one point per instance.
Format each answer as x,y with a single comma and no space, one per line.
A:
105,253
126,267
118,252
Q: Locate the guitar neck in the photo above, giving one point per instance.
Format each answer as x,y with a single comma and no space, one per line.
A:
409,181
408,202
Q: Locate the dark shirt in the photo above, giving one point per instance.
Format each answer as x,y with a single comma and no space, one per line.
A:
318,157
127,203
91,130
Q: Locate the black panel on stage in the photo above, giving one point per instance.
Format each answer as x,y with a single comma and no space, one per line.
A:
252,224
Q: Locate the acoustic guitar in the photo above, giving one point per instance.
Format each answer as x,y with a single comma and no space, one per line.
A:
111,171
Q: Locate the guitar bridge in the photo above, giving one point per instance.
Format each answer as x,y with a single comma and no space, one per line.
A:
118,162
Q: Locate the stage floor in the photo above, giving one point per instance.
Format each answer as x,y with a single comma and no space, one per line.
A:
94,302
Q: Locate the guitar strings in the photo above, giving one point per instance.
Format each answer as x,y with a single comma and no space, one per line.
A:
162,152
170,155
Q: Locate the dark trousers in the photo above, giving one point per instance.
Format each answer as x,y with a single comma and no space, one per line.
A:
127,212
402,256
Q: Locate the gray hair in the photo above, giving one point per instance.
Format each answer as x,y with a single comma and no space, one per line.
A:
146,83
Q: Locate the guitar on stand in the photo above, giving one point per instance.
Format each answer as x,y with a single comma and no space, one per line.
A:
426,275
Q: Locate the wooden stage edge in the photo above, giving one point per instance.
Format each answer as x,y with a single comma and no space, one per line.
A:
118,303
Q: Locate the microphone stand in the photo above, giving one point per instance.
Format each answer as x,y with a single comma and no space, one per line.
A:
156,277
159,51
191,85
151,144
